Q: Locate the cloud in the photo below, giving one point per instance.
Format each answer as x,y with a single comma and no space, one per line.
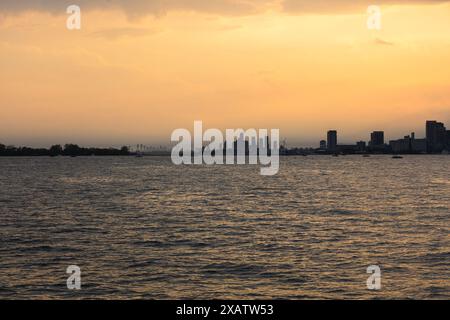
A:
139,7
224,7
344,6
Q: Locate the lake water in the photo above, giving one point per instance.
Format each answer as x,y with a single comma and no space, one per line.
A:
144,228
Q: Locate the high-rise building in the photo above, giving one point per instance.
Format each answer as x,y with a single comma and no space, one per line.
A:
332,140
377,138
436,136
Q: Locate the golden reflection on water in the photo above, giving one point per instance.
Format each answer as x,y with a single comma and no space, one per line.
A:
143,228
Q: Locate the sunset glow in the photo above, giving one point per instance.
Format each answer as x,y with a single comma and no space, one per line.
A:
134,76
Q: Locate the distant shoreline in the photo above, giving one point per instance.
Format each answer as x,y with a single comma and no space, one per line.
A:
73,150
168,155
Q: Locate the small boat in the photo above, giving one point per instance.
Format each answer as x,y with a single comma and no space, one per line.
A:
366,155
397,157
139,154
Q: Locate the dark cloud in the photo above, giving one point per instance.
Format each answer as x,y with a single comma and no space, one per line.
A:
226,7
138,7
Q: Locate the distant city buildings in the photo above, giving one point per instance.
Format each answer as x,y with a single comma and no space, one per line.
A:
409,144
437,141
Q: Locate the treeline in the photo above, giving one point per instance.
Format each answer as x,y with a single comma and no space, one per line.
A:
72,150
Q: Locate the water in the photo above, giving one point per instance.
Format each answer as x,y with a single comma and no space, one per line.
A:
144,228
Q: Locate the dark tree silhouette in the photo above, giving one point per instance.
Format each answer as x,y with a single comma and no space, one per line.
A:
72,150
55,150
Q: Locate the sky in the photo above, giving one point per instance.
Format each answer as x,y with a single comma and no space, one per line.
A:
137,70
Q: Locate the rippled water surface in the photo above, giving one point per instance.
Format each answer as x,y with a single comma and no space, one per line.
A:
144,228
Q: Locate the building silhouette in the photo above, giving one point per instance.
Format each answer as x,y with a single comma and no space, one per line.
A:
332,140
361,146
437,136
347,148
418,145
323,145
409,144
377,138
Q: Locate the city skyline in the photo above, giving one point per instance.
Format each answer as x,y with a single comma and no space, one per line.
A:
436,140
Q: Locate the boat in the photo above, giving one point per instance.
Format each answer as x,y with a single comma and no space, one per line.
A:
397,157
366,155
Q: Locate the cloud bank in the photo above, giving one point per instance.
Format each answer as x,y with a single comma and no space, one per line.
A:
224,7
139,7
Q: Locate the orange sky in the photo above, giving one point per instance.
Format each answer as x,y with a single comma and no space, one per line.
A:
134,74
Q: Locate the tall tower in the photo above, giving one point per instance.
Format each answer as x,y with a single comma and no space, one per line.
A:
332,140
377,138
430,136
